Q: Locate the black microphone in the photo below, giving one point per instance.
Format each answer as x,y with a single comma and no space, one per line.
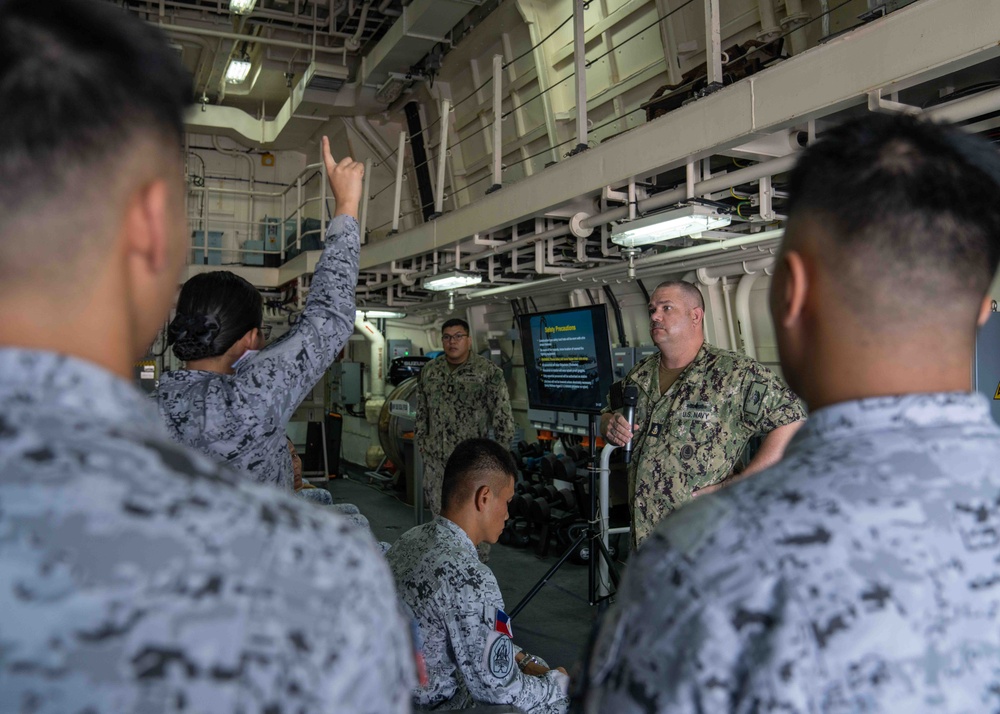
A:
631,398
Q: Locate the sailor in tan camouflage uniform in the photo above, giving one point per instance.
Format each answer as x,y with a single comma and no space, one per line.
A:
698,407
461,396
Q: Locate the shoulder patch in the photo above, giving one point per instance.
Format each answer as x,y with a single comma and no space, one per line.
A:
501,657
755,398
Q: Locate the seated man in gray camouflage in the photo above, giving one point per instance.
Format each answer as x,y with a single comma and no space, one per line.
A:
136,575
467,635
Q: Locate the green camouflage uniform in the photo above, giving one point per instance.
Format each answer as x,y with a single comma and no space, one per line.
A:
693,435
454,405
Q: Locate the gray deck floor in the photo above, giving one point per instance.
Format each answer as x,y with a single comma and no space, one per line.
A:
555,625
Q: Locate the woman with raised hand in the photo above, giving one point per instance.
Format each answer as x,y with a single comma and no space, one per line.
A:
236,395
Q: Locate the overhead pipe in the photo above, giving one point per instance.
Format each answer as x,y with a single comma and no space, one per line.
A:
170,29
376,341
720,182
607,271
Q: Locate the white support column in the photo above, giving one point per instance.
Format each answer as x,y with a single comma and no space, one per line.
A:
497,118
442,157
399,182
580,80
363,213
713,42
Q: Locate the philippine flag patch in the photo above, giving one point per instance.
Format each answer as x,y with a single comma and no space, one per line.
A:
503,625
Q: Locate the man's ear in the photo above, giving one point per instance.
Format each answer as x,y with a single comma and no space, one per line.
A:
146,225
482,497
795,288
698,314
985,310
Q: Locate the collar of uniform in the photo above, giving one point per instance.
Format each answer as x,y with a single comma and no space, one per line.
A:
457,532
649,368
897,413
66,384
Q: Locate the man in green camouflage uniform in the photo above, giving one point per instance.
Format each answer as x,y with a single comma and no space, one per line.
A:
698,407
461,396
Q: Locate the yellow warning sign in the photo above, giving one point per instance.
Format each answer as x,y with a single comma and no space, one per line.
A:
996,395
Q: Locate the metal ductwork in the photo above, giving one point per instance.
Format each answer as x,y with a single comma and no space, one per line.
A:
308,104
423,24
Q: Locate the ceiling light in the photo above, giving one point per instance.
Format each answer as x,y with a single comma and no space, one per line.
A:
241,7
381,313
686,221
452,281
237,71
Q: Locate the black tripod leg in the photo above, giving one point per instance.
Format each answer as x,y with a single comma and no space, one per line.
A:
545,578
612,570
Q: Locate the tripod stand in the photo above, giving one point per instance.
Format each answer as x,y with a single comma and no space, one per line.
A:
592,533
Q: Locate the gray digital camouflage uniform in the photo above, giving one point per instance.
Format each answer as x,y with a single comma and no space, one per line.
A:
129,586
240,419
692,436
455,405
857,575
455,599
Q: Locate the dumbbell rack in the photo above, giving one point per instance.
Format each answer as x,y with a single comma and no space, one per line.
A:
592,533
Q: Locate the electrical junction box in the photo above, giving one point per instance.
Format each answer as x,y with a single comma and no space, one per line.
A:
622,359
198,255
399,348
344,379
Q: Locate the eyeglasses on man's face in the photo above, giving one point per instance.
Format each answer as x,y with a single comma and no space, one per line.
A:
457,337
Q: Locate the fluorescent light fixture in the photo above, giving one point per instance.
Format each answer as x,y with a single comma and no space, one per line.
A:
241,7
452,281
381,313
669,224
237,71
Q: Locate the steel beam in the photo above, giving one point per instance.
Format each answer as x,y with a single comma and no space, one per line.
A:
826,79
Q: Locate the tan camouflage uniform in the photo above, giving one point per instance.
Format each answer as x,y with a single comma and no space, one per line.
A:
455,405
692,436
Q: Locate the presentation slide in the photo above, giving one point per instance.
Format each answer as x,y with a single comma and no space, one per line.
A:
567,357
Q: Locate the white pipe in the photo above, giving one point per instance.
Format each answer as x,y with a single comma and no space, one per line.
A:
768,18
729,314
168,28
603,586
253,177
442,157
743,312
377,354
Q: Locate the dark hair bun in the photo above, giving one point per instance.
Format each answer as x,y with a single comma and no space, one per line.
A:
193,336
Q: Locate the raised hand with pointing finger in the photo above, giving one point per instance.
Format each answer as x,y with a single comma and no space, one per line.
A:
346,181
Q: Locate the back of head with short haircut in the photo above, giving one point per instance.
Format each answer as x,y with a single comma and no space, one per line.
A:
80,80
455,322
214,310
470,465
692,292
908,212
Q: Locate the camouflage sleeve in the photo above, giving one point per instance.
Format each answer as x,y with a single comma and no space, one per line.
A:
767,402
421,426
287,370
503,418
345,641
485,658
